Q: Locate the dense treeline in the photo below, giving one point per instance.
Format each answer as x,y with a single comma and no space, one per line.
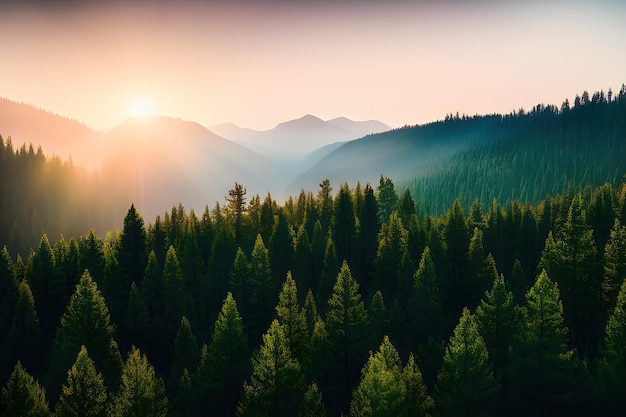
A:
40,194
331,303
523,155
526,155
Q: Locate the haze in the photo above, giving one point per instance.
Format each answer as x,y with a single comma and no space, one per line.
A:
258,64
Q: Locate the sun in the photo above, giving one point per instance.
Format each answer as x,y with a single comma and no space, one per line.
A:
142,107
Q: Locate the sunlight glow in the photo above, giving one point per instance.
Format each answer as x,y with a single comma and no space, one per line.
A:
142,107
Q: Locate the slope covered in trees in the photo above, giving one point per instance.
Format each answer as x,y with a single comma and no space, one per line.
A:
345,302
524,155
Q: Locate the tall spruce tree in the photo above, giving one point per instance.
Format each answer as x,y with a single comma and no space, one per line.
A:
23,396
85,394
275,387
346,322
85,322
141,392
466,385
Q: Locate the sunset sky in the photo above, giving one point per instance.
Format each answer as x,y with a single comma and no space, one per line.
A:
260,63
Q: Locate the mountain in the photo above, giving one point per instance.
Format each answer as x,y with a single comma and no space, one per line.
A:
298,137
160,161
55,134
522,155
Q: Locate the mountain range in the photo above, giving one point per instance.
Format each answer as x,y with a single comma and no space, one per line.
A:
158,161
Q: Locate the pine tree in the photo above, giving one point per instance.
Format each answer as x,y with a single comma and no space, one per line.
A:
392,244
281,252
185,354
427,314
386,198
614,264
456,238
132,248
346,322
275,387
380,390
262,291
330,267
23,396
292,319
24,340
343,223
85,322
174,288
387,389
229,341
302,262
309,310
416,398
466,385
312,404
545,371
85,393
141,392
498,321
611,378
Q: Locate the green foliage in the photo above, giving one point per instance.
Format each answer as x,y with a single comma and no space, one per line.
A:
386,389
141,392
292,319
427,305
85,394
466,385
346,322
312,405
275,387
23,396
85,322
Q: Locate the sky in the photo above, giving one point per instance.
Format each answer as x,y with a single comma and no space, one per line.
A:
260,63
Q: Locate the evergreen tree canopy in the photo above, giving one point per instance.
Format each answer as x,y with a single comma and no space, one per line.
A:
85,394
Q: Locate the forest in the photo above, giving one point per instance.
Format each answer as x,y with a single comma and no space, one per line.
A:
350,302
525,155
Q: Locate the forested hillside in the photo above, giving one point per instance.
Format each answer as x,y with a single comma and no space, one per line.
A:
346,302
524,155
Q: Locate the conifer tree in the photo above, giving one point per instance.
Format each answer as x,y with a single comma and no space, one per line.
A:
466,385
24,339
275,387
346,322
23,396
309,310
392,244
280,251
302,262
380,390
312,404
330,267
47,286
427,314
85,393
456,238
132,248
185,354
386,198
292,319
229,346
343,223
387,389
262,291
8,290
85,322
545,370
141,392
611,378
614,264
239,285
91,255
498,320
174,288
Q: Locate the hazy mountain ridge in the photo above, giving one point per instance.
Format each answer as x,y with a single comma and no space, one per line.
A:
521,155
299,137
57,135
